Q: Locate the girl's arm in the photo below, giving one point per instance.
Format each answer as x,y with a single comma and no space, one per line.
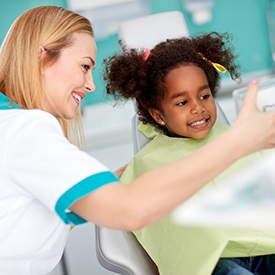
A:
158,192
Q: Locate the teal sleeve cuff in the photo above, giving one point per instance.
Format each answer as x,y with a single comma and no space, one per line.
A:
79,191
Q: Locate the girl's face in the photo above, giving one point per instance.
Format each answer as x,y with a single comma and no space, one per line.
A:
67,81
188,108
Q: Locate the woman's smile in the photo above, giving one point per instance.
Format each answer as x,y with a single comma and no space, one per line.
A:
78,96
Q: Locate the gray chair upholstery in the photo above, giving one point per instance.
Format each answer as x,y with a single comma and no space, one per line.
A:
120,252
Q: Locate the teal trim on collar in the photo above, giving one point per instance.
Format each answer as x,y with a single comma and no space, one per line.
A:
78,191
5,103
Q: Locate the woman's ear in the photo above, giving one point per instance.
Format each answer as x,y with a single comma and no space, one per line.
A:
41,51
157,116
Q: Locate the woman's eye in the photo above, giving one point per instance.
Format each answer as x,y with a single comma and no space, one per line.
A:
86,67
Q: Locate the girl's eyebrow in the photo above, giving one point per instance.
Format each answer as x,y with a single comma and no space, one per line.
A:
178,94
206,86
183,93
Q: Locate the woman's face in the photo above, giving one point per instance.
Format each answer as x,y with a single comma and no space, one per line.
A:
67,81
188,107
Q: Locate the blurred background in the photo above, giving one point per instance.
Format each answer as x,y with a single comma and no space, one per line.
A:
108,127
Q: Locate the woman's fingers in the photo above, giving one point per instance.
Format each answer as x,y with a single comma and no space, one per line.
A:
250,99
252,124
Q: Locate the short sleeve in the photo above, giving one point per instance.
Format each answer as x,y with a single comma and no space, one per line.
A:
43,164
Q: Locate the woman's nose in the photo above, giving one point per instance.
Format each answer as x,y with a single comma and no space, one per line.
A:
89,84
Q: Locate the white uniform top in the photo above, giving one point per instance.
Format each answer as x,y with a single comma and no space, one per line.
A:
41,175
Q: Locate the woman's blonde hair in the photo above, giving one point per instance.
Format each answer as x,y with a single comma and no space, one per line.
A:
49,27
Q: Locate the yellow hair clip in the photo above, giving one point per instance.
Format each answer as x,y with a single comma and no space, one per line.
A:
220,68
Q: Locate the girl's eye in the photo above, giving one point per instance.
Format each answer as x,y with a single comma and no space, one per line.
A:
184,102
205,96
86,67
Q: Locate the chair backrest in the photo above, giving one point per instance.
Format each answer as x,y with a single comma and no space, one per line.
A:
118,250
147,31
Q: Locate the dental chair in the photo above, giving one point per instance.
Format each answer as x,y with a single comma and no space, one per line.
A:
147,31
118,250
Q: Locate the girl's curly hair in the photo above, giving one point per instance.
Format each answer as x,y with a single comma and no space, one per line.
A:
128,76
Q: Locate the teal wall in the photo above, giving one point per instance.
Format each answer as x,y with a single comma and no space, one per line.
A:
246,20
11,9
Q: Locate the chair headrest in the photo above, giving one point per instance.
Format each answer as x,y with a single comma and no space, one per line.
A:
147,31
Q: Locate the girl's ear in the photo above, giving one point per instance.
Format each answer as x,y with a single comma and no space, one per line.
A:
157,116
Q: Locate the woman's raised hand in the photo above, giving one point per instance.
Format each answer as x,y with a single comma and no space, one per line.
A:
255,127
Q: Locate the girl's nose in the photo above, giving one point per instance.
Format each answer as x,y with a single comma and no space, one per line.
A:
197,108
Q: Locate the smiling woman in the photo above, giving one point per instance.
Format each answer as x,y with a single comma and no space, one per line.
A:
70,77
54,44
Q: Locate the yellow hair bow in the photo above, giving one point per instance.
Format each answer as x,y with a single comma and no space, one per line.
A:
220,68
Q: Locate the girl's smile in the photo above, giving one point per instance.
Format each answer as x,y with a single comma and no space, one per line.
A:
199,124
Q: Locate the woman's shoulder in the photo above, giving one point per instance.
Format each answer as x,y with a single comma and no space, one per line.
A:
25,114
19,119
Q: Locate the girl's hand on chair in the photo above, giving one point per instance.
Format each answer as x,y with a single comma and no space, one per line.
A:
120,171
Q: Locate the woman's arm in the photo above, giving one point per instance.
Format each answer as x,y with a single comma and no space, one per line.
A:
158,192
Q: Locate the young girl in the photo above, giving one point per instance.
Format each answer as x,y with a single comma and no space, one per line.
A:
174,86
